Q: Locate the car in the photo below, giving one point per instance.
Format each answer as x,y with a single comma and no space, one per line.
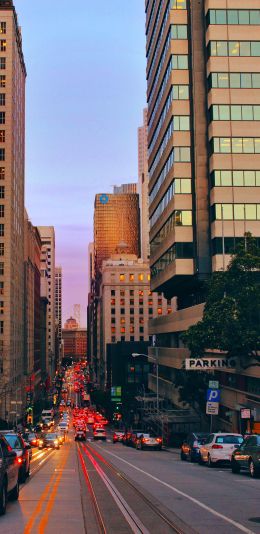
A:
23,452
131,441
63,426
51,441
80,435
9,474
126,438
61,437
31,438
118,436
146,441
219,447
99,433
247,456
190,449
90,420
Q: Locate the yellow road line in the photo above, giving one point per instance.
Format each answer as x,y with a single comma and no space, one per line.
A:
51,500
42,499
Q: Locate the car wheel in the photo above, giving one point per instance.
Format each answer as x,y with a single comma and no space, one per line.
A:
254,473
235,468
3,498
183,457
14,494
28,472
209,462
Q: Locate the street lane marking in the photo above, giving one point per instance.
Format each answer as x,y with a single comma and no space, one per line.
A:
179,492
134,522
51,500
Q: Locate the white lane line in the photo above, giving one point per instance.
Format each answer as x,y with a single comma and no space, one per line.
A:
134,522
192,499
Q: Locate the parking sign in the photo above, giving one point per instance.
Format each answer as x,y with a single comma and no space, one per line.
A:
213,395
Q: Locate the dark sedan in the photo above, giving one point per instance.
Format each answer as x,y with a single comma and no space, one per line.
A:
49,440
247,456
190,449
23,452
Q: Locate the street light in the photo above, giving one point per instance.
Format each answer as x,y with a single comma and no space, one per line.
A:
135,355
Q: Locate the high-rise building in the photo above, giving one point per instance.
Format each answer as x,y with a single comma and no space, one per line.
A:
124,189
12,156
143,180
125,305
116,219
48,254
74,340
58,301
203,91
77,313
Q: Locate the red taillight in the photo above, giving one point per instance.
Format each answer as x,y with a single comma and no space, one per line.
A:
145,440
19,460
159,440
217,447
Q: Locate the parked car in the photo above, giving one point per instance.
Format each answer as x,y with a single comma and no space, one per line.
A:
9,474
190,449
219,448
23,451
118,436
247,456
135,434
146,441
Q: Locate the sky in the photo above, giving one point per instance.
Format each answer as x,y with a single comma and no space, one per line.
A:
85,93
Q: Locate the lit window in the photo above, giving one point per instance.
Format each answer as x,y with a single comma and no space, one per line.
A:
122,320
122,302
132,329
2,80
140,277
121,277
122,330
113,302
113,329
159,310
2,45
3,28
141,293
131,277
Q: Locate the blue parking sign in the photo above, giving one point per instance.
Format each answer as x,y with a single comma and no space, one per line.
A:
213,395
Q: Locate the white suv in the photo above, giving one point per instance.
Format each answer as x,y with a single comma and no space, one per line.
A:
219,447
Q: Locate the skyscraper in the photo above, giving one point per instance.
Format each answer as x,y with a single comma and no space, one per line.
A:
58,301
48,253
203,90
116,219
12,135
143,180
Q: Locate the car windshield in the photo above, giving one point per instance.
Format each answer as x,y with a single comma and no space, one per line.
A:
147,436
100,430
51,436
14,441
63,424
201,441
229,440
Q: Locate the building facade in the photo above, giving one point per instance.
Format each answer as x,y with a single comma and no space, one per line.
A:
74,340
12,157
48,257
58,301
203,91
125,305
143,181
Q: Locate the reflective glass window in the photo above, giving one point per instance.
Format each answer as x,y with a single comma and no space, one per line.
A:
255,16
245,48
227,212
239,212
257,145
225,145
250,212
257,179
221,48
221,16
232,16
224,113
237,146
238,178
248,145
247,113
236,113
256,80
249,178
233,48
243,16
226,178
255,48
235,79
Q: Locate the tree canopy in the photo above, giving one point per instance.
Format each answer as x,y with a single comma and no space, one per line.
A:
231,318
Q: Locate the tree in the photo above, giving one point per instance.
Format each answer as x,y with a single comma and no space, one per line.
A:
231,318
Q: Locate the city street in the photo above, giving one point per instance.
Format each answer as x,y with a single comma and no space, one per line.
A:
102,487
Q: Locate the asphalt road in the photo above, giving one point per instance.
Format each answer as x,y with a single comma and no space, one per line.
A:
81,488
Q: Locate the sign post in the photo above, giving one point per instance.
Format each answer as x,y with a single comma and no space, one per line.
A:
213,398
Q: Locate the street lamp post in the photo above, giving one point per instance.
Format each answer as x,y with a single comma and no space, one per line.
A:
135,355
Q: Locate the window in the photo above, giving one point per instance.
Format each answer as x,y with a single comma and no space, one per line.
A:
3,28
2,99
113,339
141,311
180,92
141,320
239,212
2,45
2,249
234,48
122,320
122,292
235,112
140,277
132,311
122,311
177,250
226,178
2,63
131,277
2,230
2,191
132,302
131,292
2,80
113,292
132,320
141,338
1,268
233,16
150,311
1,327
179,31
2,210
181,123
141,293
141,329
122,302
113,329
179,62
122,330
132,338
2,154
235,145
178,4
159,311
2,117
113,311
113,320
141,302
122,338
121,277
113,302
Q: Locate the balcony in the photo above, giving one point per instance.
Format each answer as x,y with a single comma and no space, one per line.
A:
177,321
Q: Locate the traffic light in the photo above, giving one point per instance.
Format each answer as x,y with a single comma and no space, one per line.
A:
29,415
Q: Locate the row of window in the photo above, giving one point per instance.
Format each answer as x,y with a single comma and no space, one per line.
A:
233,112
122,301
177,218
233,16
234,48
180,154
122,338
158,15
234,80
123,330
141,293
131,277
235,145
161,62
237,212
178,186
176,251
179,31
227,178
132,311
177,92
177,62
230,244
159,40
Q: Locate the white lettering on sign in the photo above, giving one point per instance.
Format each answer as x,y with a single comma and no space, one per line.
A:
206,364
